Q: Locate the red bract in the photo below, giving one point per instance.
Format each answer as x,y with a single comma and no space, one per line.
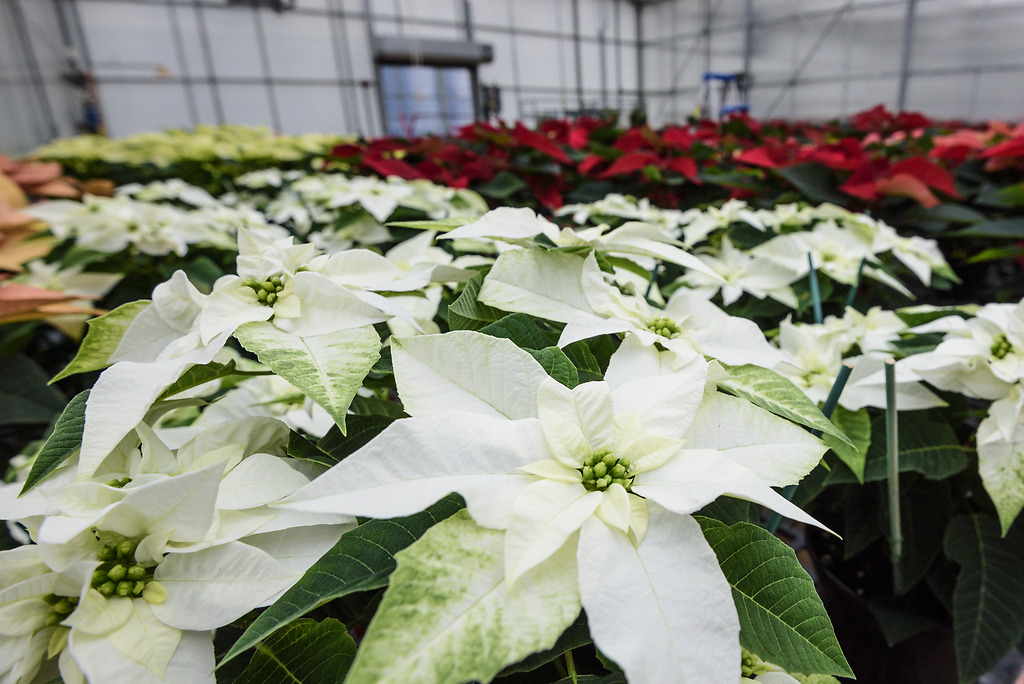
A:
539,142
914,178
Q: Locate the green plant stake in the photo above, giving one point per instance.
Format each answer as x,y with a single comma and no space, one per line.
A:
815,292
830,405
852,295
893,457
654,279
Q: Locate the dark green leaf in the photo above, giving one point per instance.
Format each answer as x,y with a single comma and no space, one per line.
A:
946,213
362,559
1009,197
63,442
301,448
587,367
781,617
898,625
730,511
304,652
925,509
861,526
372,406
927,444
814,180
443,225
502,186
520,328
466,313
556,364
361,429
857,426
1003,228
988,603
195,376
26,398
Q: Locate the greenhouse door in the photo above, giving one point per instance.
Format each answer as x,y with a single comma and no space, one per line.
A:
421,99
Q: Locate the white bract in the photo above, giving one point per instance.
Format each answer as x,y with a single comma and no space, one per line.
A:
609,469
981,357
132,571
742,273
566,288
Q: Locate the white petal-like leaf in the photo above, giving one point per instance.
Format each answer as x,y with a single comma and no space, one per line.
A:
416,461
662,611
328,368
545,284
466,371
448,615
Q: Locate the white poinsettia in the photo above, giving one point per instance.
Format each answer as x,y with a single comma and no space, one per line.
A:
630,208
1001,455
814,356
566,288
742,273
642,242
716,218
981,357
837,251
609,469
129,576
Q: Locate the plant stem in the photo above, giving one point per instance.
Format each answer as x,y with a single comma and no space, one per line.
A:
830,405
852,294
570,665
815,292
893,456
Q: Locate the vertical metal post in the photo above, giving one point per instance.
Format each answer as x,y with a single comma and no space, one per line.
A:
618,56
49,122
514,42
376,72
179,54
474,77
639,12
908,40
578,52
268,82
748,35
602,61
211,73
705,34
343,70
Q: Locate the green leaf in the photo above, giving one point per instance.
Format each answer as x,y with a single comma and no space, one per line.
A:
814,180
301,448
466,313
772,392
448,614
195,376
502,186
861,513
1009,197
520,328
372,406
363,559
1003,228
781,617
441,225
328,368
556,364
304,652
925,509
101,340
857,426
577,635
361,429
62,443
25,397
946,213
587,367
898,625
927,445
727,510
988,602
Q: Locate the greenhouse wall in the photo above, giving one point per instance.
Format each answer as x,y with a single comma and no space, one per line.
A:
315,65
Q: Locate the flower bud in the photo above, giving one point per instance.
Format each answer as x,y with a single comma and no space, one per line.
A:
154,593
125,588
600,469
117,573
107,589
136,572
126,549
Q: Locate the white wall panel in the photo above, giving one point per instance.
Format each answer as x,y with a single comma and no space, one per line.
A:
128,39
299,46
133,108
232,32
311,108
245,104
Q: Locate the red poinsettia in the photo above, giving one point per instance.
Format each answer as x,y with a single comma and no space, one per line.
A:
914,178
